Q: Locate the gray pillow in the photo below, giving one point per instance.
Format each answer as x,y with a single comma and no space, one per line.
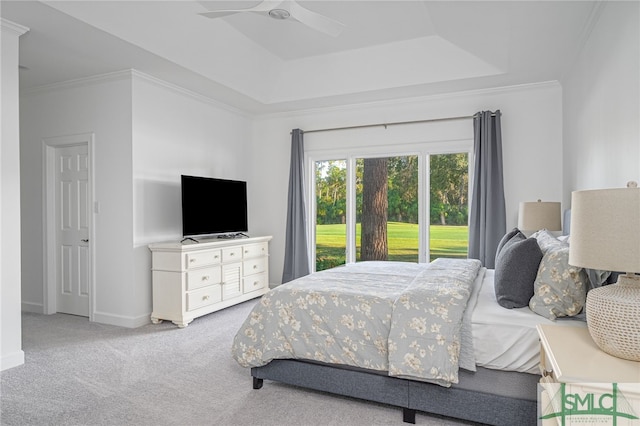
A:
508,236
516,270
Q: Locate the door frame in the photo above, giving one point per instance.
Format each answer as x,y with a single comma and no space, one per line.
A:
49,147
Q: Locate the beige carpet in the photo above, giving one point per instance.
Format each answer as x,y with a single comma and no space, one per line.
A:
82,373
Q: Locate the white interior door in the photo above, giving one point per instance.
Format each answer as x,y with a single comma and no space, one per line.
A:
72,219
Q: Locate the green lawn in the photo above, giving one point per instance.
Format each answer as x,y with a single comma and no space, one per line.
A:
446,241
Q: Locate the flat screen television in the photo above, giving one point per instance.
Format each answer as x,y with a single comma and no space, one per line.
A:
213,206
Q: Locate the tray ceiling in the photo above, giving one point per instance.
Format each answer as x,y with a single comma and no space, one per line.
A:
387,49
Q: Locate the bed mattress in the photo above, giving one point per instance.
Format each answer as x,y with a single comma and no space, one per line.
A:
506,339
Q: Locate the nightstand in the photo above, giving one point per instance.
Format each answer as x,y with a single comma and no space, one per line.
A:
578,378
569,355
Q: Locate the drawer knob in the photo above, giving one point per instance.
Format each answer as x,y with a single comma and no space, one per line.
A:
205,278
255,283
191,260
255,266
232,254
205,297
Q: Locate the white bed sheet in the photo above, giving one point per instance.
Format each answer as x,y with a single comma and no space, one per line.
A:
506,339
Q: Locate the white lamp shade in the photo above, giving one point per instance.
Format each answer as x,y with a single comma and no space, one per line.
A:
536,215
605,229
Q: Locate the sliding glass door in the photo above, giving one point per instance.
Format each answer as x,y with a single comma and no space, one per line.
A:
411,208
330,213
448,205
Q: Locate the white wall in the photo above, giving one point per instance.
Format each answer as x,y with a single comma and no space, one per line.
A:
146,134
177,132
601,104
11,353
102,106
531,131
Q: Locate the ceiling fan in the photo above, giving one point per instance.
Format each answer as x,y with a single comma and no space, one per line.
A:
285,10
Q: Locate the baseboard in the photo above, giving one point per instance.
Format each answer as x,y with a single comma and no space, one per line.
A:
120,320
34,308
100,317
11,360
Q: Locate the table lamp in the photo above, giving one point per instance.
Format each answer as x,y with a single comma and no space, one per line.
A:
605,235
536,215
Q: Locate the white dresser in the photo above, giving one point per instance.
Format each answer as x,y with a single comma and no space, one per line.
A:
194,279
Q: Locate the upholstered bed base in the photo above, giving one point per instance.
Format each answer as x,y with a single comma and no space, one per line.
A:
486,396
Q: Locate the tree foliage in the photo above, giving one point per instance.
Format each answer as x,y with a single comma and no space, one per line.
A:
449,192
449,182
331,192
403,189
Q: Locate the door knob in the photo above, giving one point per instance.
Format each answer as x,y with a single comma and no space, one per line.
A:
84,241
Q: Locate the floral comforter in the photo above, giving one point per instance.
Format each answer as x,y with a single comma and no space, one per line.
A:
404,318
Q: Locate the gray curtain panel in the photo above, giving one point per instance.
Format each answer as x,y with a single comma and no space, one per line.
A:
296,257
487,219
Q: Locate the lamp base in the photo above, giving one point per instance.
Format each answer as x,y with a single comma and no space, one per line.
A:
613,317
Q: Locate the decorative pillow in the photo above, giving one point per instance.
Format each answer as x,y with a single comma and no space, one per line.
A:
516,269
509,235
559,289
548,241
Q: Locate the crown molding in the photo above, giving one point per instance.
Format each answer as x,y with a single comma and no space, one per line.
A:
415,100
130,74
17,29
78,82
189,93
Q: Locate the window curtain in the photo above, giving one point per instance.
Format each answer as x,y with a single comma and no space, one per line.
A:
487,220
296,257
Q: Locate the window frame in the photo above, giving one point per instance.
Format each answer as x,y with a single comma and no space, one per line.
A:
350,155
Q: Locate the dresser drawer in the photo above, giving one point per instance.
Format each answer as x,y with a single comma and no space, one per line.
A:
255,283
198,278
203,258
254,250
254,266
232,253
203,297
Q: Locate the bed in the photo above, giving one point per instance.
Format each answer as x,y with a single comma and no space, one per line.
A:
464,357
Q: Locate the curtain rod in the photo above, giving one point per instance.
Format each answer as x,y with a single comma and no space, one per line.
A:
385,125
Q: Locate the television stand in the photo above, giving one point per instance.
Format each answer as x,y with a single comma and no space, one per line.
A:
191,280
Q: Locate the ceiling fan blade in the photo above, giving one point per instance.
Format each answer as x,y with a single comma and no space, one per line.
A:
315,20
264,6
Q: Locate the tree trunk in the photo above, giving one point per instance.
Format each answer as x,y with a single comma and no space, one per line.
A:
373,243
